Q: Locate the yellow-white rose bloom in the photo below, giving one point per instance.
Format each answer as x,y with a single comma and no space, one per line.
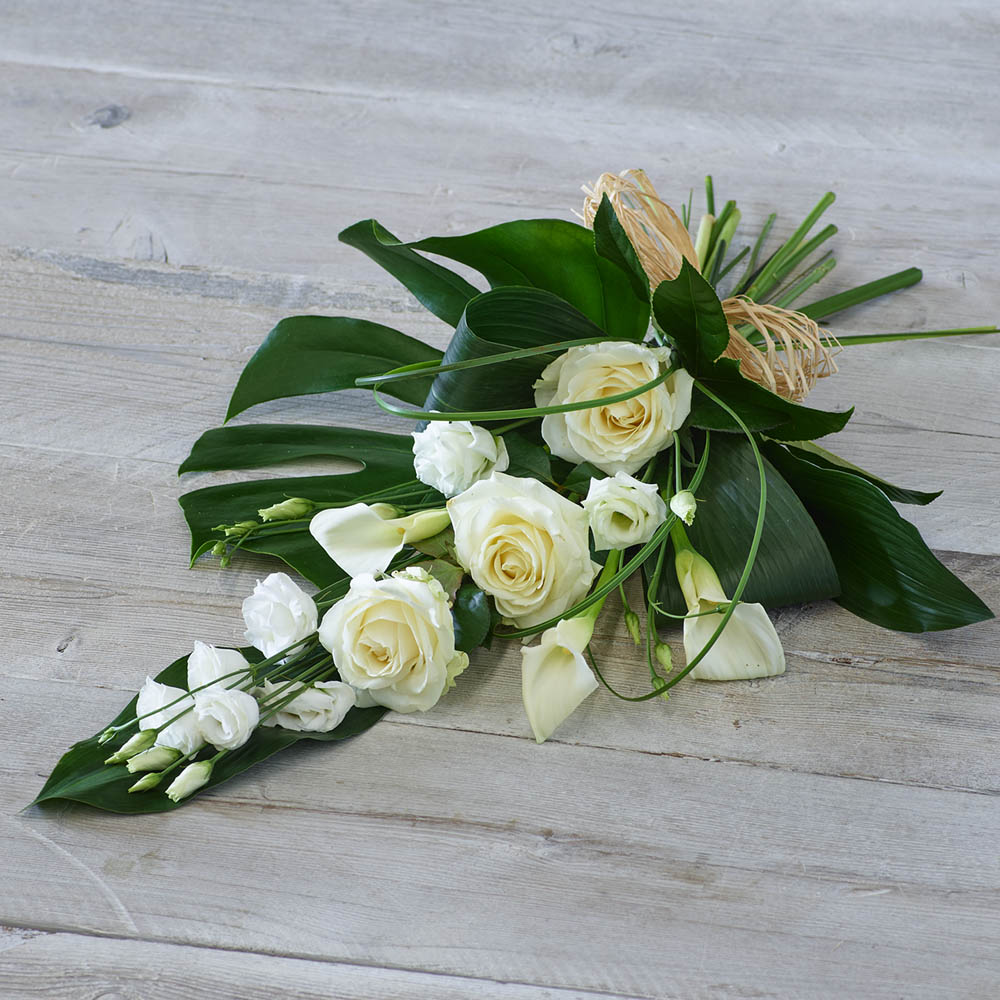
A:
749,645
618,437
363,539
394,639
525,545
555,677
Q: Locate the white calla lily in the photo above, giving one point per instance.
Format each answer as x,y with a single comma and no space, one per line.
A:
748,646
555,677
364,539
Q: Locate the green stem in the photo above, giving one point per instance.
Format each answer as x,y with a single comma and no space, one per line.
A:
863,293
749,274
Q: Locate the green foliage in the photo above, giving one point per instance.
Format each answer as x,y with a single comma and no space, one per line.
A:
793,564
887,574
472,616
309,354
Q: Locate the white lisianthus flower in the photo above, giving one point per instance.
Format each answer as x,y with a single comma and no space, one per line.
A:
523,544
394,639
621,436
749,645
317,708
452,455
277,614
226,718
182,734
363,539
213,666
623,511
555,677
685,506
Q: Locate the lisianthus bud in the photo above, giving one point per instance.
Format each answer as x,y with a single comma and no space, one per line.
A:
632,624
141,741
664,657
237,530
453,455
287,510
107,736
193,777
219,549
146,782
684,505
153,759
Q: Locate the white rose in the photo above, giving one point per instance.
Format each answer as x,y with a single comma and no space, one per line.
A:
523,544
226,718
452,455
621,436
623,511
317,708
277,614
749,645
555,677
182,734
209,665
394,638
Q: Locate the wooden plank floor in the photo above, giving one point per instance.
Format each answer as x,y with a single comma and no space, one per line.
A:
175,174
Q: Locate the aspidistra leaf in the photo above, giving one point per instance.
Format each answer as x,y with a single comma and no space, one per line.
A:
887,573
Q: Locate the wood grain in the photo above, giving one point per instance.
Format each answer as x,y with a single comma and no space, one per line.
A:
175,176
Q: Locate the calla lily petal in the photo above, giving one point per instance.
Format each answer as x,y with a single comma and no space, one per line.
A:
748,647
555,677
357,538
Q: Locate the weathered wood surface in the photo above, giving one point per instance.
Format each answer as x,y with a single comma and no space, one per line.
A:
829,833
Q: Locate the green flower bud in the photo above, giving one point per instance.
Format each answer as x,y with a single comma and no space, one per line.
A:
146,782
190,780
632,624
141,741
287,510
219,549
107,736
239,529
664,656
153,759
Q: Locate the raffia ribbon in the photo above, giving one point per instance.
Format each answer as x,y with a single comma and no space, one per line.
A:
793,353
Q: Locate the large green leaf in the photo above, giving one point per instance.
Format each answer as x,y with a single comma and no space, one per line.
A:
612,242
827,460
505,319
82,776
793,564
251,446
387,460
309,354
549,254
441,291
760,409
689,312
887,574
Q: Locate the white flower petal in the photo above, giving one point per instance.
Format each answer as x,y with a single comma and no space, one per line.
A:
748,647
357,539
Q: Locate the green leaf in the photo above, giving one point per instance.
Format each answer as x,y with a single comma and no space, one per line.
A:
887,574
760,408
441,291
251,446
827,460
303,355
472,616
793,564
387,461
528,458
612,242
548,254
497,321
689,312
82,776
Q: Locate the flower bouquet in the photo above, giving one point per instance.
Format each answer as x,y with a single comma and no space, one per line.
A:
603,410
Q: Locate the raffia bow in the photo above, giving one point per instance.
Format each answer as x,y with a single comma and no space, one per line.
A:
792,354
